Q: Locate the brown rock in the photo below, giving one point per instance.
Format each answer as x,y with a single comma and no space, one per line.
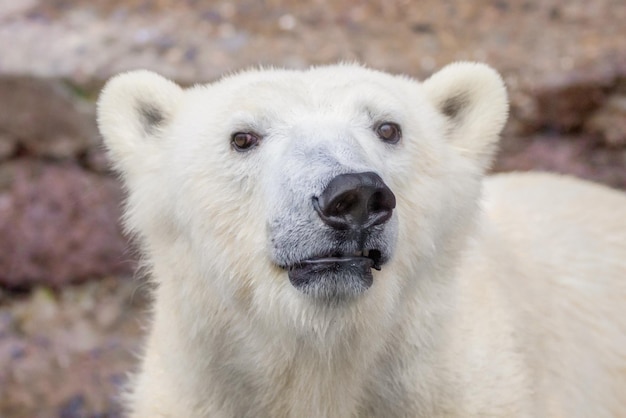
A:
96,160
44,118
561,102
8,147
58,224
609,121
573,155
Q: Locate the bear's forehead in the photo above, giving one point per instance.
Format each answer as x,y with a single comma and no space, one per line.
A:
319,87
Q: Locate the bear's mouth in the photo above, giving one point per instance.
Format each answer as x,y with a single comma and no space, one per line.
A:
372,257
336,275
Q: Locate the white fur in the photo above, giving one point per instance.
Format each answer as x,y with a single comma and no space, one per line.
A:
515,310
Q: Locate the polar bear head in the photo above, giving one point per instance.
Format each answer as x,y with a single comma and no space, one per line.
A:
334,186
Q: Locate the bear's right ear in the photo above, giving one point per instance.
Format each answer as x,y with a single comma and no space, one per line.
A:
133,110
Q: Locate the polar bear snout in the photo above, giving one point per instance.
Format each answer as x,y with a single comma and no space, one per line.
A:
352,233
355,201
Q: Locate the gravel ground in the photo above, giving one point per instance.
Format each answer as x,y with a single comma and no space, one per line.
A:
524,39
67,354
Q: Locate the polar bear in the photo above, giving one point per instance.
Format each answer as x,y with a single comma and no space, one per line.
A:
324,243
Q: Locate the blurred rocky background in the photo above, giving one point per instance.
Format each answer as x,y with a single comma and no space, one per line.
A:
71,313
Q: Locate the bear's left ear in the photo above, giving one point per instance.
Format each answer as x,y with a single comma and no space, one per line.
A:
134,108
473,99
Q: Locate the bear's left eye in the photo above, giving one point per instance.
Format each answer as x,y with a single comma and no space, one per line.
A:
243,141
389,132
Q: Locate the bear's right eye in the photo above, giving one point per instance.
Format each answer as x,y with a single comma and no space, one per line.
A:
243,141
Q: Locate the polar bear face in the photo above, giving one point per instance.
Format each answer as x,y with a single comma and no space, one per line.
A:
335,186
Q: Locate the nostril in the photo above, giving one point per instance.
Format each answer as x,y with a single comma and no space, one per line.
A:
375,204
382,200
343,204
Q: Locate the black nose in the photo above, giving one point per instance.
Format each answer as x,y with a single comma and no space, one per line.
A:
355,200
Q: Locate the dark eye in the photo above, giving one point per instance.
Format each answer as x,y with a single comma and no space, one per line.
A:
389,132
243,141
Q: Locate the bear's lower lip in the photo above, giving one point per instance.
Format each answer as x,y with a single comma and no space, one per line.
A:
333,277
